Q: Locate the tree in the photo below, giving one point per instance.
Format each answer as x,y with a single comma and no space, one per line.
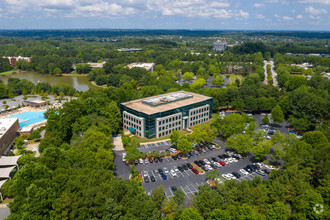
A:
277,114
261,149
213,174
242,143
35,135
191,214
57,71
179,198
218,81
19,142
265,119
198,84
230,124
188,76
184,145
175,137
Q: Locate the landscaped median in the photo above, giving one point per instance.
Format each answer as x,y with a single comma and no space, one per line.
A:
200,171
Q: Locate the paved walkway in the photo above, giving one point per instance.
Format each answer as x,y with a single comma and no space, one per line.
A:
118,144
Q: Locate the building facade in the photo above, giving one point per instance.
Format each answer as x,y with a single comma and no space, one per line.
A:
8,133
159,116
219,46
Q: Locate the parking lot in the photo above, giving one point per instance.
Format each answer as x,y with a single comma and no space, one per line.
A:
188,181
154,146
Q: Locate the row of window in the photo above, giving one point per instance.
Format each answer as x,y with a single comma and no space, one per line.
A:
199,116
168,132
130,124
169,120
198,111
133,119
197,122
172,125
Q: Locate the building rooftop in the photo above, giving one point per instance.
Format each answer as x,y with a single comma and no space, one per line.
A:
147,66
5,124
165,102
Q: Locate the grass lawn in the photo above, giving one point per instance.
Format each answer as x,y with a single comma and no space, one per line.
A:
8,72
232,78
74,73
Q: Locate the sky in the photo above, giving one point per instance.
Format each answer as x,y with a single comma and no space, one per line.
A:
166,14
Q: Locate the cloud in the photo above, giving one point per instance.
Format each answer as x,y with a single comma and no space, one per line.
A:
287,18
299,17
321,2
276,16
314,17
260,16
314,11
258,5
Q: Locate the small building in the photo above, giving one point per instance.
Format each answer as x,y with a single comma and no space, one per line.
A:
219,46
13,60
129,50
8,134
35,103
96,65
25,130
148,66
160,115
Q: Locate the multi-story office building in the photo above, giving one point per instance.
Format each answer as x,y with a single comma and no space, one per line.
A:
8,133
158,116
219,46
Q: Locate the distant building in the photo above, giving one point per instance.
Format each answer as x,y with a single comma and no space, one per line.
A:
96,65
219,46
160,115
148,66
8,133
35,103
129,49
13,60
303,65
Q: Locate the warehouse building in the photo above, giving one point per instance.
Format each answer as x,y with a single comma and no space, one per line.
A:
158,116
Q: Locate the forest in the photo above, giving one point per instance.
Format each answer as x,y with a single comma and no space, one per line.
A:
74,176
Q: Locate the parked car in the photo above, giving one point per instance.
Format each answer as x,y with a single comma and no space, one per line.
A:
179,157
260,172
166,170
164,176
151,160
146,179
146,161
140,161
145,173
173,173
222,163
266,171
156,172
194,171
189,166
156,159
206,161
180,168
152,178
173,188
160,171
175,168
236,174
174,157
136,162
185,167
140,174
244,172
160,159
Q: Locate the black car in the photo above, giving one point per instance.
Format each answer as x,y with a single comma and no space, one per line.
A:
225,156
207,150
236,174
152,178
214,159
156,160
136,162
213,166
202,162
210,147
178,156
174,157
251,167
173,188
213,187
248,169
185,167
160,159
187,155
204,168
189,166
266,171
146,179
236,157
160,171
180,168
221,157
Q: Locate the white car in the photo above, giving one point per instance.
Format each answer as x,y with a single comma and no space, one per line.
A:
269,167
231,176
146,161
145,173
124,157
219,180
226,176
173,150
209,168
140,161
244,172
175,169
173,173
207,161
217,164
166,170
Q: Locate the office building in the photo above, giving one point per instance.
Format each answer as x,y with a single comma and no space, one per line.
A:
148,66
219,46
158,116
8,133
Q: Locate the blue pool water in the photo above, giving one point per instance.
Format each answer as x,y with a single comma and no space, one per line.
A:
28,118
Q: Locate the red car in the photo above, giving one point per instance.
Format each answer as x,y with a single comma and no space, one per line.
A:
150,160
222,163
194,170
140,174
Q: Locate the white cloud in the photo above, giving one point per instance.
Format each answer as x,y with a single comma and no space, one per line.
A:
276,16
321,2
314,17
260,16
299,17
258,5
314,11
287,18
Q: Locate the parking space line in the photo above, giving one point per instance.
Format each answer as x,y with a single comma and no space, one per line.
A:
187,172
184,192
194,188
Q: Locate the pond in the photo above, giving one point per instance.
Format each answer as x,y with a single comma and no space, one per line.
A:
80,83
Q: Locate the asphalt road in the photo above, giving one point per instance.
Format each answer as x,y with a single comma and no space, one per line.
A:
122,169
4,212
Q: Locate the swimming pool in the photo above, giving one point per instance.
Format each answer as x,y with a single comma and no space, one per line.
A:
28,118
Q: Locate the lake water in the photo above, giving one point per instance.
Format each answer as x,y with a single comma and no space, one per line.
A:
80,83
